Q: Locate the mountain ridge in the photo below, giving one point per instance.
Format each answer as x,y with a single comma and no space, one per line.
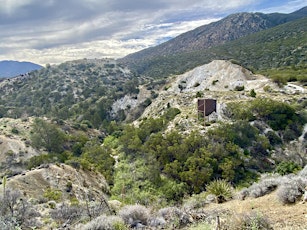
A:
9,68
204,38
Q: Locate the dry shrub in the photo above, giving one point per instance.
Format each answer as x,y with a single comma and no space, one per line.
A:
105,223
135,215
291,190
247,221
264,187
174,217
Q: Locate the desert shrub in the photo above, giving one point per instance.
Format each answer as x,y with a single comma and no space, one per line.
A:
65,213
252,93
252,221
16,211
174,217
15,130
290,191
53,194
106,223
239,88
273,138
221,189
195,201
265,186
134,215
47,135
287,167
303,172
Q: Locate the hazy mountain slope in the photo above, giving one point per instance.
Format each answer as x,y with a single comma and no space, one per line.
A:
228,29
15,68
283,45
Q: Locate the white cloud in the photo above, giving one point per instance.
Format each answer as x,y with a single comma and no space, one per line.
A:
9,6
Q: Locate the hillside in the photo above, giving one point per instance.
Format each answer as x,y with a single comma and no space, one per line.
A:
269,47
92,144
221,80
81,90
10,69
65,170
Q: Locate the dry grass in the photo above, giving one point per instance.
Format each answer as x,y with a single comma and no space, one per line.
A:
283,217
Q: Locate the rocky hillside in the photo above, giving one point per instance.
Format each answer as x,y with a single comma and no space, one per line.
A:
265,48
82,90
220,80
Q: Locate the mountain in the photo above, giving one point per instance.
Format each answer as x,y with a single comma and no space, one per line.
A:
199,46
14,68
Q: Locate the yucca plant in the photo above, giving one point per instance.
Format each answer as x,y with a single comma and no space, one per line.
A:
221,189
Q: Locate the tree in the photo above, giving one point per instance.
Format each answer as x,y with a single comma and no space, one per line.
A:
47,135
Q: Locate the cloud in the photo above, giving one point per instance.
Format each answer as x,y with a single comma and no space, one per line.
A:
52,31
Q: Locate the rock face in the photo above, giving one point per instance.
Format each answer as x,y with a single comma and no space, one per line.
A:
218,75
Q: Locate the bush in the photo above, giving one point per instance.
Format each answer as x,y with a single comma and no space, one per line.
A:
273,138
107,223
65,213
174,217
15,130
135,215
252,93
254,221
287,167
221,189
16,212
239,88
53,194
290,191
264,187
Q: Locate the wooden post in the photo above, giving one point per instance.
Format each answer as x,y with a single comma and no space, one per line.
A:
217,223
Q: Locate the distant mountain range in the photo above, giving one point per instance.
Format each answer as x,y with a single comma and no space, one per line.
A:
207,42
14,68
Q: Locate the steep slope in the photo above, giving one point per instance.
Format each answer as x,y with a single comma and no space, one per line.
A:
218,40
221,80
14,68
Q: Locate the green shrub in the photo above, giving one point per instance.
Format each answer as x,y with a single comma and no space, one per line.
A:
239,88
53,194
221,189
287,167
252,93
15,130
273,138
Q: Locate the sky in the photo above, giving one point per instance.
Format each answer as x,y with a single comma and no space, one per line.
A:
55,31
